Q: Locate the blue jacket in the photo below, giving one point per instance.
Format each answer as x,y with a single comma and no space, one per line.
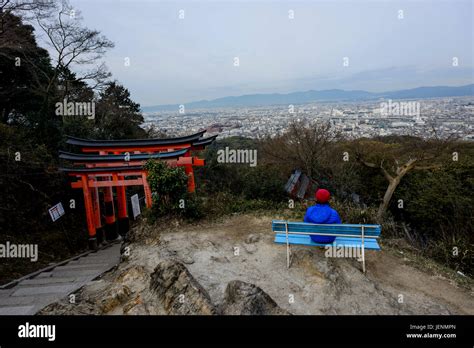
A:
322,214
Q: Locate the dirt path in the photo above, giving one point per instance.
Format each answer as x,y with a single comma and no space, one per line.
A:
394,275
242,248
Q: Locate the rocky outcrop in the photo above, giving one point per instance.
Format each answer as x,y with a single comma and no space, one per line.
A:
243,298
178,291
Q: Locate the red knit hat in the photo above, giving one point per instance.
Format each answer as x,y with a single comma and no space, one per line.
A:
322,195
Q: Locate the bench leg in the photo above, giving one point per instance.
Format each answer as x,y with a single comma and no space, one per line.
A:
287,246
363,249
363,261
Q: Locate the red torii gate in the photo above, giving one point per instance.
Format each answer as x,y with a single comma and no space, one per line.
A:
119,163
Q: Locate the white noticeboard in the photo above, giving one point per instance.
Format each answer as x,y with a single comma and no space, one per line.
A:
135,206
56,211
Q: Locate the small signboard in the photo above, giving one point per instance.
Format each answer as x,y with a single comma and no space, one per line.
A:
135,206
56,211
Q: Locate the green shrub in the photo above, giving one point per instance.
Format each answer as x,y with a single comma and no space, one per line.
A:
169,189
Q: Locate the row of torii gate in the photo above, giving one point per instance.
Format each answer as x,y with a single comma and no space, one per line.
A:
105,164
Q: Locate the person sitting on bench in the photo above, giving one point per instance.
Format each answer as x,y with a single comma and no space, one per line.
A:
322,213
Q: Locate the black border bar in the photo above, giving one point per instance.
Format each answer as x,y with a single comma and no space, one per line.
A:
243,330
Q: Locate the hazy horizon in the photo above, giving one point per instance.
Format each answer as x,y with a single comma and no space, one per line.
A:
303,91
175,61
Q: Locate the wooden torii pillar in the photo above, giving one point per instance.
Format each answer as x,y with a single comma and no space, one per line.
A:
123,221
110,222
146,188
97,216
90,219
188,169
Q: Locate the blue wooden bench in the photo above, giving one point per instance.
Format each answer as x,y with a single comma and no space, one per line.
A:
347,235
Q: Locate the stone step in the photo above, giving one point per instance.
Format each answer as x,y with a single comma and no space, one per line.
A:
41,290
45,275
17,310
6,292
99,261
76,273
92,266
73,262
25,300
50,280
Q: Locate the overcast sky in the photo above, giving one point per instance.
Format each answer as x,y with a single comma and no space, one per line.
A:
174,61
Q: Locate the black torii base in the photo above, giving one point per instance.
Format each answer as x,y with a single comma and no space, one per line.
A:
123,226
111,231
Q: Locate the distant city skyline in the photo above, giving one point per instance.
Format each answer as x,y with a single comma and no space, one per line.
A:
281,47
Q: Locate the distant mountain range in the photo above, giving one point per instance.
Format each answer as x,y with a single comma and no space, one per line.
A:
318,96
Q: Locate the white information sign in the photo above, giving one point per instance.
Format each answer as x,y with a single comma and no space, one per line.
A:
135,206
56,211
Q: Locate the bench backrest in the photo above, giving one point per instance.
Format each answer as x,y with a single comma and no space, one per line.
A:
346,230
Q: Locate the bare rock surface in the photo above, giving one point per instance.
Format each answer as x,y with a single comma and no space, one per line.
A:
243,298
178,291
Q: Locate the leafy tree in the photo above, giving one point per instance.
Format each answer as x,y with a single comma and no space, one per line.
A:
25,70
117,116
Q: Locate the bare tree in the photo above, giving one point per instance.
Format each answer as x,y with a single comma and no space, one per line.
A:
27,9
394,159
24,6
304,145
74,47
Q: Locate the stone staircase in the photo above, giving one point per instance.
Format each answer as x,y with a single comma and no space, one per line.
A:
32,293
